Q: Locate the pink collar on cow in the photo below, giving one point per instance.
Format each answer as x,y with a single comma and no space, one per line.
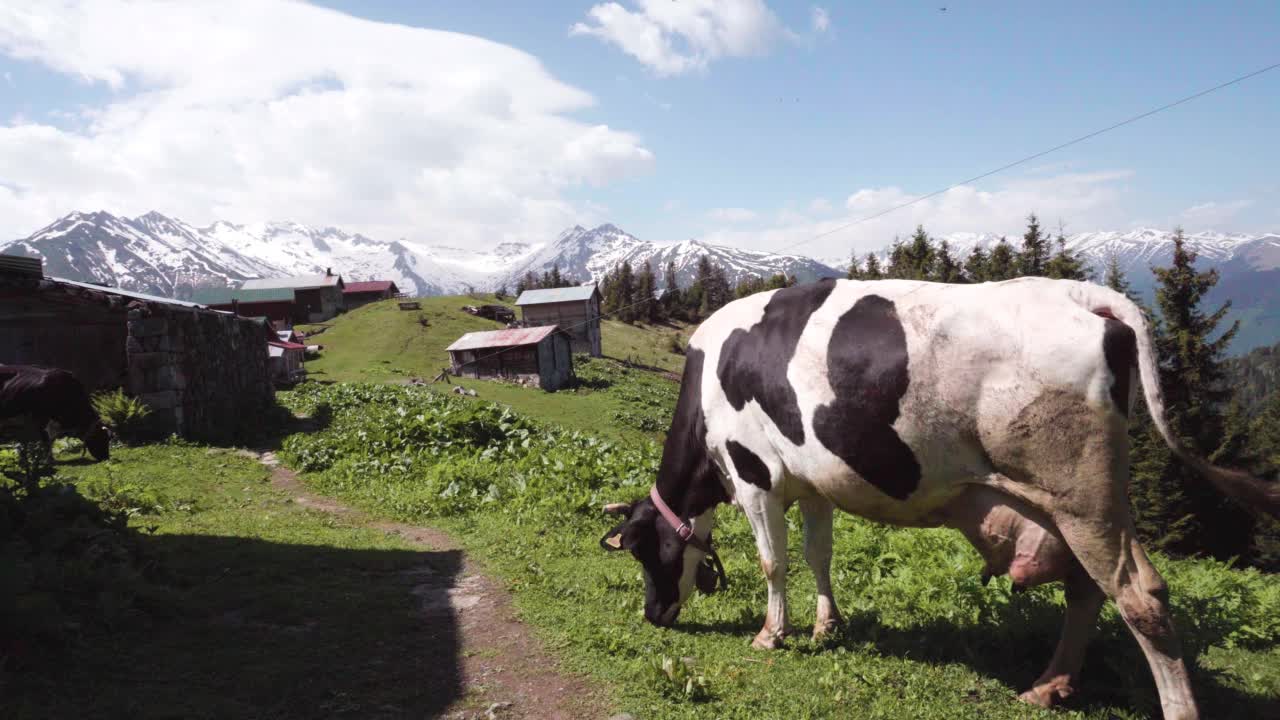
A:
682,528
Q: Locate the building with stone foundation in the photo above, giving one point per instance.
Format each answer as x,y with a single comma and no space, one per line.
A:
203,373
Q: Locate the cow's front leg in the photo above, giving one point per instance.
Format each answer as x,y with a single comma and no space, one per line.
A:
767,516
817,514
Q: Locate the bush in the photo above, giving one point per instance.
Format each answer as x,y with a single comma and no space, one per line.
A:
126,416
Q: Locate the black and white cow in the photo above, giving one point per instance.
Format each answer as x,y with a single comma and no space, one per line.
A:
32,397
997,409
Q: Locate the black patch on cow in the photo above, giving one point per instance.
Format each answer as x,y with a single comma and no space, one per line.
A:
1120,348
687,477
867,367
749,466
753,363
44,394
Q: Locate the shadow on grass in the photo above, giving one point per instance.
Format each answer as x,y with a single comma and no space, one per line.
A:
1017,646
259,629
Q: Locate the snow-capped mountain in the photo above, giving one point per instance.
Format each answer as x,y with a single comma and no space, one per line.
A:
585,254
165,256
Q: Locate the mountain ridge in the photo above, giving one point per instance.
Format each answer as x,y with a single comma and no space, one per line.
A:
166,256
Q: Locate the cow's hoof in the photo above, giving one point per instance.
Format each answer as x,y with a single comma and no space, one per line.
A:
824,628
767,640
1047,694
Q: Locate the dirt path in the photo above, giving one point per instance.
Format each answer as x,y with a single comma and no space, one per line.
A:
505,671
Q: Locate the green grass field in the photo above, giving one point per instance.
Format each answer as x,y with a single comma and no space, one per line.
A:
924,638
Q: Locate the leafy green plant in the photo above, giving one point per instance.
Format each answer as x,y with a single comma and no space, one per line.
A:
675,678
125,416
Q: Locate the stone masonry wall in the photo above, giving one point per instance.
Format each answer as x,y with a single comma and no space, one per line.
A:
204,374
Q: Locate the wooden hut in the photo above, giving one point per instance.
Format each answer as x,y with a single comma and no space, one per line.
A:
356,294
574,309
540,354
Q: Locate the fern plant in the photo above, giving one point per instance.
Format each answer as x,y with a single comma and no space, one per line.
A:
126,416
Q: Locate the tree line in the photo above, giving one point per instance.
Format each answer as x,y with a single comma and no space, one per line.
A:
921,258
632,295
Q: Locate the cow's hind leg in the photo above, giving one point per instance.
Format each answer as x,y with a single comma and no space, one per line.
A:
767,515
1108,549
818,515
1059,680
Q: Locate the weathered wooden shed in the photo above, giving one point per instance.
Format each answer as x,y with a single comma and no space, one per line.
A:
540,354
364,292
203,372
574,309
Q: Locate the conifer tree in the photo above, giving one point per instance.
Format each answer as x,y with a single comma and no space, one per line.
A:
919,256
945,267
1115,279
872,271
1174,508
975,266
646,287
855,271
1003,262
1065,264
1034,255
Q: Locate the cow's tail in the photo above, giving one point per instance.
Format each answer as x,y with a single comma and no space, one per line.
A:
1248,490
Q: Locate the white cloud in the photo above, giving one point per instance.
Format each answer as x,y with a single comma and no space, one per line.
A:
8,78
821,20
1085,201
1214,213
677,37
732,215
259,109
820,205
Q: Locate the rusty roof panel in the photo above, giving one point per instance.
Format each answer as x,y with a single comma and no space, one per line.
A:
511,337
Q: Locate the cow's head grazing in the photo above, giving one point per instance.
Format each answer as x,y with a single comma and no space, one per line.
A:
672,567
97,438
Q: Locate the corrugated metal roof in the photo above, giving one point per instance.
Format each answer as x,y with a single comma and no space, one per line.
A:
369,286
127,293
301,282
224,296
511,337
556,295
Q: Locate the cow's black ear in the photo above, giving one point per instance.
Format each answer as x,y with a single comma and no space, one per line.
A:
612,540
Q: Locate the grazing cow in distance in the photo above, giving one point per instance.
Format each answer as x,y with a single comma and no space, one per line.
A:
998,409
33,397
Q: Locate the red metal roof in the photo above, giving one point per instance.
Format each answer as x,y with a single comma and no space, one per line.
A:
369,286
286,345
511,337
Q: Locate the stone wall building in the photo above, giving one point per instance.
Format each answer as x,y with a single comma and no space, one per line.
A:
203,373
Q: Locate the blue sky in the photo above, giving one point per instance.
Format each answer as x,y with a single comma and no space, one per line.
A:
758,133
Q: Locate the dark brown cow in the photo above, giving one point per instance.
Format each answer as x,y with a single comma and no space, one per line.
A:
34,397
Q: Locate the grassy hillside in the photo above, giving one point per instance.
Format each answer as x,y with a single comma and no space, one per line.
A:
383,344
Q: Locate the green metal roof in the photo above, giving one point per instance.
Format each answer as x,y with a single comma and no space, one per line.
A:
557,295
224,296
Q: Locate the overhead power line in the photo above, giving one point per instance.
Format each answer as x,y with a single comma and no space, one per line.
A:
1042,153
